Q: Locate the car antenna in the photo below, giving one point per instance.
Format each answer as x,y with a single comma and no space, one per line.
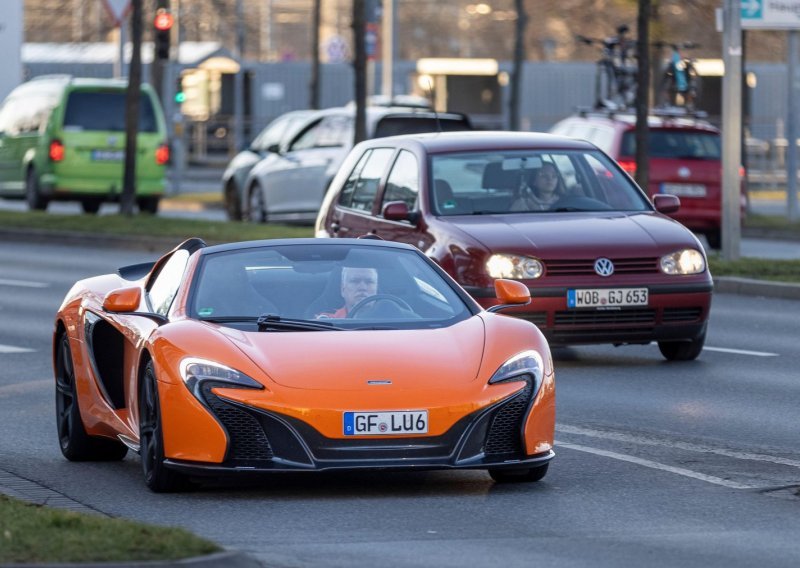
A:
432,97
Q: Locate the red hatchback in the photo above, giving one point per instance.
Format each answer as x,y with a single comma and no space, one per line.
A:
603,263
685,160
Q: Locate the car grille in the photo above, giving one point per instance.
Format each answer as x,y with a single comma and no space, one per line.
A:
643,316
585,267
681,314
505,432
247,438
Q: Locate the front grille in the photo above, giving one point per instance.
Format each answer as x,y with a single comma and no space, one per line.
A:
247,438
585,267
681,314
505,432
643,316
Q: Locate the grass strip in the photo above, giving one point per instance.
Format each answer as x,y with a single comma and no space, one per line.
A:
756,268
33,533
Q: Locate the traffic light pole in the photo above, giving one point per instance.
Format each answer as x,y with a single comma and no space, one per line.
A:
731,129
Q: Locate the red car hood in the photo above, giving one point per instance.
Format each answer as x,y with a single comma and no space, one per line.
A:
346,360
563,235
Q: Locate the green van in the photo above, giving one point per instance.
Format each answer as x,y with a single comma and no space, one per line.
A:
63,138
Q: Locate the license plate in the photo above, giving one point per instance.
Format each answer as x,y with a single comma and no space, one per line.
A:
108,155
684,189
385,423
606,297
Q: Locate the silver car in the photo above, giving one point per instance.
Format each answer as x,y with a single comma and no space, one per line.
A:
288,185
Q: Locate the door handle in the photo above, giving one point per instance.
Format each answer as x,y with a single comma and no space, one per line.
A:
335,226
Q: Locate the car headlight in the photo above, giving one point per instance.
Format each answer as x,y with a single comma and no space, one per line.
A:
687,261
195,372
514,266
523,363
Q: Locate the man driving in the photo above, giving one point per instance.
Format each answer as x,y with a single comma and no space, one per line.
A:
357,284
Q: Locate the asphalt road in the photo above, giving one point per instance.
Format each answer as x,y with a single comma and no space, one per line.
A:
658,464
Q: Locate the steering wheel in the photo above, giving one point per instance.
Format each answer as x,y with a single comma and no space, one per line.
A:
351,313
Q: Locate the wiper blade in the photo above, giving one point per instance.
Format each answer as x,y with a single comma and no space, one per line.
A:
567,209
273,321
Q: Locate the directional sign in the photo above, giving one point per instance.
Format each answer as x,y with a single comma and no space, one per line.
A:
770,14
118,10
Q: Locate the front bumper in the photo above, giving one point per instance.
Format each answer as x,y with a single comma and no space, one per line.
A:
262,441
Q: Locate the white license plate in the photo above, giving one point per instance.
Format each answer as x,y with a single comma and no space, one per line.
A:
684,189
606,297
108,155
385,423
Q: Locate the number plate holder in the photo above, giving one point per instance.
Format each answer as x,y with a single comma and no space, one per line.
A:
606,297
393,423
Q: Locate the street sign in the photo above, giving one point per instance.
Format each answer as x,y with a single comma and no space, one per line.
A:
118,10
770,14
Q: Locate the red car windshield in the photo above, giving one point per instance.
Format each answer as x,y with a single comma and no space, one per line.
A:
677,144
554,181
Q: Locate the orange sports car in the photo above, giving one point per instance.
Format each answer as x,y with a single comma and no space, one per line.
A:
296,355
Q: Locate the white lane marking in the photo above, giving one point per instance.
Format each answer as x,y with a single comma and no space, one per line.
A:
23,283
646,441
656,465
12,349
740,351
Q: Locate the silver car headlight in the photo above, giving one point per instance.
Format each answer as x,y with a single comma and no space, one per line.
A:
523,363
195,372
687,261
514,266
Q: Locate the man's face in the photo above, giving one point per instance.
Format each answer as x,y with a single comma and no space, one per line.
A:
357,284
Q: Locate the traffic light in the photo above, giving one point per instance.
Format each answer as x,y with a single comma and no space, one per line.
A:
163,26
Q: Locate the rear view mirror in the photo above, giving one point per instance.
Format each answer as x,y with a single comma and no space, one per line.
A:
665,203
123,300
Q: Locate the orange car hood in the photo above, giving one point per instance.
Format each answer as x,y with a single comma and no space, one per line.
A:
346,360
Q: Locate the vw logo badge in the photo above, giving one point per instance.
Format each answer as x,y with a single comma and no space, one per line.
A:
684,172
603,267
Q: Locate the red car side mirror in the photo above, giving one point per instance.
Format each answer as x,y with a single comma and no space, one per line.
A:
396,211
665,203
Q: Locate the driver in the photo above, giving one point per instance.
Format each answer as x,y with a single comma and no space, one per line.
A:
357,284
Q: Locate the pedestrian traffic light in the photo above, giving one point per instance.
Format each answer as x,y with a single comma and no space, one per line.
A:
163,26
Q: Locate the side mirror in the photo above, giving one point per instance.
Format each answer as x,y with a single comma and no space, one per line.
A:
274,148
398,211
510,293
123,300
665,203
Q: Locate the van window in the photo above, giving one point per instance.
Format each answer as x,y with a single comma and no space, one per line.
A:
684,144
105,110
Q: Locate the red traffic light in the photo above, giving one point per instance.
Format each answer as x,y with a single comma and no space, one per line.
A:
163,20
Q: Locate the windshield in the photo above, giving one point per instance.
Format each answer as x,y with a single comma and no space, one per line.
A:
528,181
683,144
339,286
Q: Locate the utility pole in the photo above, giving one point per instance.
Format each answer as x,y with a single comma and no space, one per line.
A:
158,63
238,81
314,82
732,128
387,48
132,98
519,60
360,68
643,94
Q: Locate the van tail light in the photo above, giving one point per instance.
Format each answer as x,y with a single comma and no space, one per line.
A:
56,151
628,165
742,172
162,154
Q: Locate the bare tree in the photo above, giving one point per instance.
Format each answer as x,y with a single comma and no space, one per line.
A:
132,111
643,94
519,59
360,67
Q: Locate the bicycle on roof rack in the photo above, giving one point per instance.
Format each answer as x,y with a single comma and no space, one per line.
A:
680,83
615,76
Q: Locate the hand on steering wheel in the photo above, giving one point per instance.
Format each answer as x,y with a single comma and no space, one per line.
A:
351,313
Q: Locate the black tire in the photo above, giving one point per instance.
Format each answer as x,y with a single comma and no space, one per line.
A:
148,204
91,205
75,443
36,201
157,476
233,205
682,350
525,475
256,210
714,239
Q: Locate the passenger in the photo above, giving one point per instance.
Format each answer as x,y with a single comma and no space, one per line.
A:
545,190
357,284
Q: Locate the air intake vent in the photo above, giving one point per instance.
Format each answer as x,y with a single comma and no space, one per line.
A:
247,438
505,433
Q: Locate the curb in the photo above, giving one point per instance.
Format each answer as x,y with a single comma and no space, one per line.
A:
227,559
750,287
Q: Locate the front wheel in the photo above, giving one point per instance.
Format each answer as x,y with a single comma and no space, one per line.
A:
157,476
526,475
91,205
233,205
682,350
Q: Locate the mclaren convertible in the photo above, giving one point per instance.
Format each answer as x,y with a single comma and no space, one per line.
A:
299,355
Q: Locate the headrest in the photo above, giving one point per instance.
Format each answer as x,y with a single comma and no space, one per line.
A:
495,177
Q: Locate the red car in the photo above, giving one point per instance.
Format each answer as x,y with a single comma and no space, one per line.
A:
685,160
603,263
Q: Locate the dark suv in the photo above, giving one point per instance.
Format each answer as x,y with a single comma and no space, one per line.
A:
685,160
289,184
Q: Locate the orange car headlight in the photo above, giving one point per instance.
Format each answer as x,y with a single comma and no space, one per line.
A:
195,372
523,363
